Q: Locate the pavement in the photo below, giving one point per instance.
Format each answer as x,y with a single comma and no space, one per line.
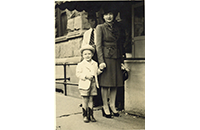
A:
69,117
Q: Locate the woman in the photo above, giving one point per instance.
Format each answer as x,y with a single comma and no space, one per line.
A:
110,51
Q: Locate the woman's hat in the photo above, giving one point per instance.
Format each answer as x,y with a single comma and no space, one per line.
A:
107,8
87,47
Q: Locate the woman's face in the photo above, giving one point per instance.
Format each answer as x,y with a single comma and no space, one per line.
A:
109,17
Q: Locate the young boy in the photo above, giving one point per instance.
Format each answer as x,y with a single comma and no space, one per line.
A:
87,71
89,37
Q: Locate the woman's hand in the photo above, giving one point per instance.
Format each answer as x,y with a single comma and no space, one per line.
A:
102,66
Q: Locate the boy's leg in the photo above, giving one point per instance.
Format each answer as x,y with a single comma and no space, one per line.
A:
90,107
85,102
90,102
84,108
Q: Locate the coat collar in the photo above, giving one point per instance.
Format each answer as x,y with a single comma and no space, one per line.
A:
114,26
109,26
114,29
92,28
85,62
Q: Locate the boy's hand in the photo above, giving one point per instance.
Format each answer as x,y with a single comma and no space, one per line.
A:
89,76
99,71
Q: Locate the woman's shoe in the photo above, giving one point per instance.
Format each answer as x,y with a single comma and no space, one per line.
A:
115,114
112,113
105,115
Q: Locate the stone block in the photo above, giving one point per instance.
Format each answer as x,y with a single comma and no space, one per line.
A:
76,46
70,25
66,49
57,50
135,87
78,23
59,72
73,91
60,87
71,72
70,59
139,47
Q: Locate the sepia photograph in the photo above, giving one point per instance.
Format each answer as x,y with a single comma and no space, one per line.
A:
100,65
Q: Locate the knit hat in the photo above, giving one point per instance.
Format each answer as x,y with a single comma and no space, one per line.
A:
87,47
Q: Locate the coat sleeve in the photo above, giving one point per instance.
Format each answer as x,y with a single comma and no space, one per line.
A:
97,70
79,72
99,36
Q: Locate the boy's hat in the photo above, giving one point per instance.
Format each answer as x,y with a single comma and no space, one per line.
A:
87,47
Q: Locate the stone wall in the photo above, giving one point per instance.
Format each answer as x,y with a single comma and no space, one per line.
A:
68,48
135,88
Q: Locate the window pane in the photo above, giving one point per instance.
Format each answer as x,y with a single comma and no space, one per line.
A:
139,21
63,24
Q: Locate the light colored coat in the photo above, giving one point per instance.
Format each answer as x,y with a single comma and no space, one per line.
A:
83,68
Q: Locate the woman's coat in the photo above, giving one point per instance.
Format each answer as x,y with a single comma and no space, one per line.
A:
110,50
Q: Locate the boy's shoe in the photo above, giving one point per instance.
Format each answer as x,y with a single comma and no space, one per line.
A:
91,117
85,118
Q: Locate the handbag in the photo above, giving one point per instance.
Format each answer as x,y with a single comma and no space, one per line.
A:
125,74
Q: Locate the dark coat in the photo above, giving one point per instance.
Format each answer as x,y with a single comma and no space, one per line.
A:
110,50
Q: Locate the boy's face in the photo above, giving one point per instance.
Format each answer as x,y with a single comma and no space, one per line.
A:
87,55
92,23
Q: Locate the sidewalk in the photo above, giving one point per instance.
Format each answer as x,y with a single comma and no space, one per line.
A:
69,117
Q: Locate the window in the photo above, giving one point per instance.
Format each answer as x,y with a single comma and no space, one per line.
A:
60,23
139,21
